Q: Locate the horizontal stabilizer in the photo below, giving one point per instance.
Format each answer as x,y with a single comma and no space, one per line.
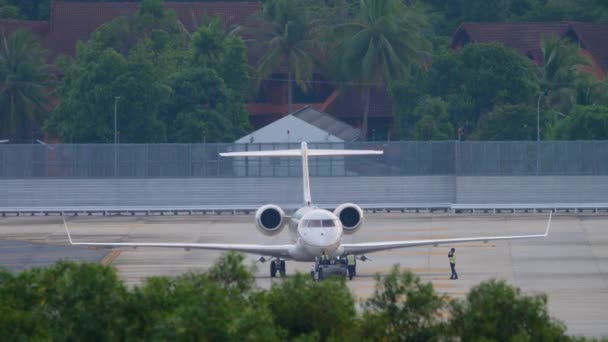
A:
298,153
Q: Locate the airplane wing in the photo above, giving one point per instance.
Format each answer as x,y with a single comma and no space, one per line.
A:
369,247
281,251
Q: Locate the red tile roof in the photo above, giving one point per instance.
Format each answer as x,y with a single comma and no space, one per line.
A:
595,40
350,104
39,28
527,37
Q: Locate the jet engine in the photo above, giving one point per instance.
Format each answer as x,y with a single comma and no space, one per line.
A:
270,219
351,217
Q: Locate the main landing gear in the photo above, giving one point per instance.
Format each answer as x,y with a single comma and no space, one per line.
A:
277,265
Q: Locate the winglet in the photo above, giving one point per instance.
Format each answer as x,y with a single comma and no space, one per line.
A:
65,224
548,225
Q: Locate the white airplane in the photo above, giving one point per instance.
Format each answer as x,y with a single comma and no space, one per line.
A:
4,141
314,231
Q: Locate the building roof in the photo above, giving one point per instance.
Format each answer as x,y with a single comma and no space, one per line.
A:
327,123
350,103
39,28
527,37
594,38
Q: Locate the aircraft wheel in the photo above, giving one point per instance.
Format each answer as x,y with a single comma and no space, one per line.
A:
282,268
273,269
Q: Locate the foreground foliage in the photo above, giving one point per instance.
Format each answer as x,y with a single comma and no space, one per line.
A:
79,301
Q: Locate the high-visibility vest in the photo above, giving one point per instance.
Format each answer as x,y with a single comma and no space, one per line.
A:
351,260
452,258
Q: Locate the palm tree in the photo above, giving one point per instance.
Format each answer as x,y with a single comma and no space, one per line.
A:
290,35
560,72
380,43
24,84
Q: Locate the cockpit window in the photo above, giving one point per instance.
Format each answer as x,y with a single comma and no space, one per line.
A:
328,223
319,223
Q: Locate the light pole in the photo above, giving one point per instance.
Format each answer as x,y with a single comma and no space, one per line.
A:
538,116
115,124
538,133
116,98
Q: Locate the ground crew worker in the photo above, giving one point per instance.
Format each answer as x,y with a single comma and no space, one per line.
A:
324,259
452,260
352,265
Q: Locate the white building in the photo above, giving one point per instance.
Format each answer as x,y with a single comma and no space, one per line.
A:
318,129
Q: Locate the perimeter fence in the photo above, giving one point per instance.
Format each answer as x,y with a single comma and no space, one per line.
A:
400,158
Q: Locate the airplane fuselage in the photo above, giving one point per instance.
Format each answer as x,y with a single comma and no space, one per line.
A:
315,231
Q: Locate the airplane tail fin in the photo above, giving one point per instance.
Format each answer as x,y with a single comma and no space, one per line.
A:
303,152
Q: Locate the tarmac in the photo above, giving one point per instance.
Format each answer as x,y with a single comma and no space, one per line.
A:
570,266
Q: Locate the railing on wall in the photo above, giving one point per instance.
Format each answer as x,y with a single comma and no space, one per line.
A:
400,158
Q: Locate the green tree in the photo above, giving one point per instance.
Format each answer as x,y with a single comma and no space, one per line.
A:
194,307
470,83
433,121
317,310
208,98
402,308
290,38
25,85
229,272
564,10
495,311
494,74
559,72
591,91
583,123
8,11
79,301
226,55
173,86
29,9
218,305
66,301
508,122
85,113
379,45
151,22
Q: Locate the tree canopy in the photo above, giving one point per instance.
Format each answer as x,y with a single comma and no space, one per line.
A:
165,84
378,45
168,85
469,85
82,301
25,86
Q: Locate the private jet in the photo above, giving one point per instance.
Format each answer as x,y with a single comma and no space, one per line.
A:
314,231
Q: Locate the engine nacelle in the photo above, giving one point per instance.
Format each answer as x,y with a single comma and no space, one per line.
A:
270,219
351,217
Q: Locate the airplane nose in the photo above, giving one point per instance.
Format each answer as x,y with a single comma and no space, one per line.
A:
321,237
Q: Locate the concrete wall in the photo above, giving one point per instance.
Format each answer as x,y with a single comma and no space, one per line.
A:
530,189
44,193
